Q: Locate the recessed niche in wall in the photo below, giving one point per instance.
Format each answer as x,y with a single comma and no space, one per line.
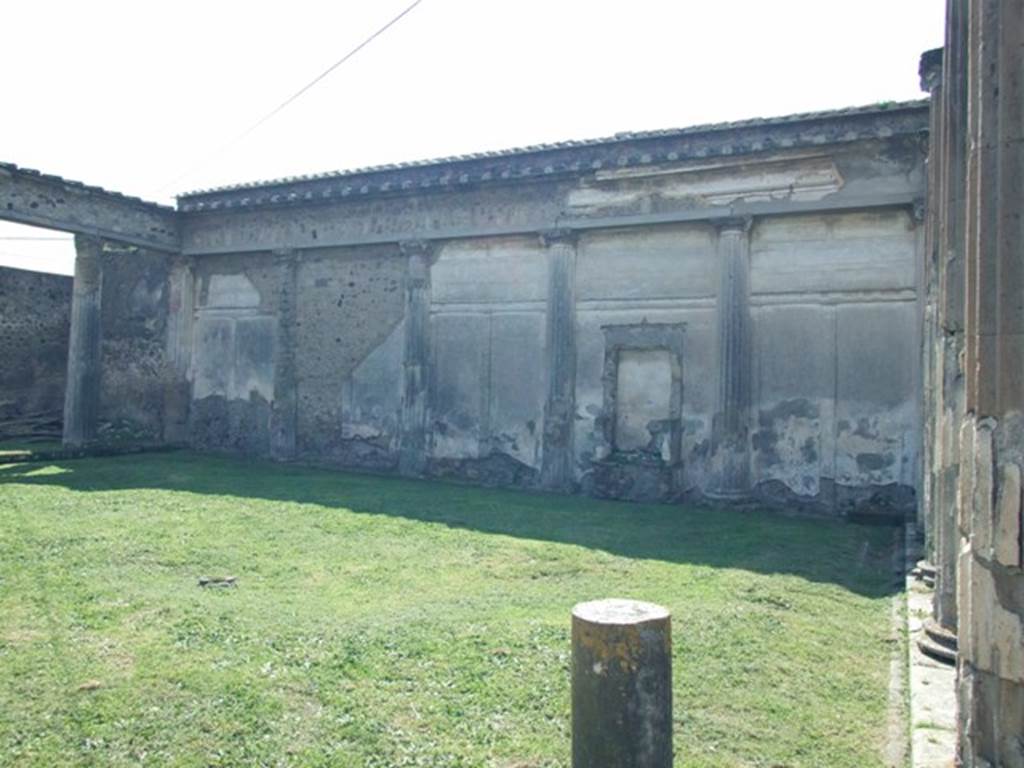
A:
643,397
643,391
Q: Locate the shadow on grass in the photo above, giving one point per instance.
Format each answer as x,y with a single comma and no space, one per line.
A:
855,557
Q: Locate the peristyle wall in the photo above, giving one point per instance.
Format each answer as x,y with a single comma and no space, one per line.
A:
726,312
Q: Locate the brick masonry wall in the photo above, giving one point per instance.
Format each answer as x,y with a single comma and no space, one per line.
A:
35,313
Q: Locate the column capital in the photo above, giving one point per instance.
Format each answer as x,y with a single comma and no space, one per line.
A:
91,246
562,236
740,224
87,245
117,247
285,257
181,261
919,210
88,262
930,70
422,248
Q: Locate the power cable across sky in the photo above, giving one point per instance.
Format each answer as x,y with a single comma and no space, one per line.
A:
290,100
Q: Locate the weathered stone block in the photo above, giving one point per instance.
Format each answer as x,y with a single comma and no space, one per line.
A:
978,506
995,628
968,469
1007,536
963,568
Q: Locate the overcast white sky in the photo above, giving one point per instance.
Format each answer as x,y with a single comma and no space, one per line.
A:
139,96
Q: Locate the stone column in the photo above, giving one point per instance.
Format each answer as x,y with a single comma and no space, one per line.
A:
82,395
930,71
731,459
412,456
951,202
560,345
180,317
621,685
990,575
284,410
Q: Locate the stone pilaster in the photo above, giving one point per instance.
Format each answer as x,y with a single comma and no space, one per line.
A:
731,458
412,456
284,411
180,318
560,345
180,314
82,396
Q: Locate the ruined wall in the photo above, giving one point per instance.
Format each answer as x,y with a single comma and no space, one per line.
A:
728,314
320,330
835,366
134,369
833,411
233,355
121,384
488,381
34,319
350,305
665,278
834,370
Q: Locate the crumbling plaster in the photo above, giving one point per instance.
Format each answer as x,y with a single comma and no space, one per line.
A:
455,318
509,345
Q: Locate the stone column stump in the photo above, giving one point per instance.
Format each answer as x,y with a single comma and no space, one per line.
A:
621,685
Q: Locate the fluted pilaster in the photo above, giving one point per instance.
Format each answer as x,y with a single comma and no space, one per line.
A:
412,458
560,409
731,459
284,413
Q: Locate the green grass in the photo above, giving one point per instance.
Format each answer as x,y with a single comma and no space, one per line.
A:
388,622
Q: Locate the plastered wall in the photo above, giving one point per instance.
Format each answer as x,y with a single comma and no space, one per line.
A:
833,412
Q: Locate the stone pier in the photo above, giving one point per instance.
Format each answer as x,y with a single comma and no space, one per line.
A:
81,400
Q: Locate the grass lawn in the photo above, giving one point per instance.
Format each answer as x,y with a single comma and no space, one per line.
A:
389,622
